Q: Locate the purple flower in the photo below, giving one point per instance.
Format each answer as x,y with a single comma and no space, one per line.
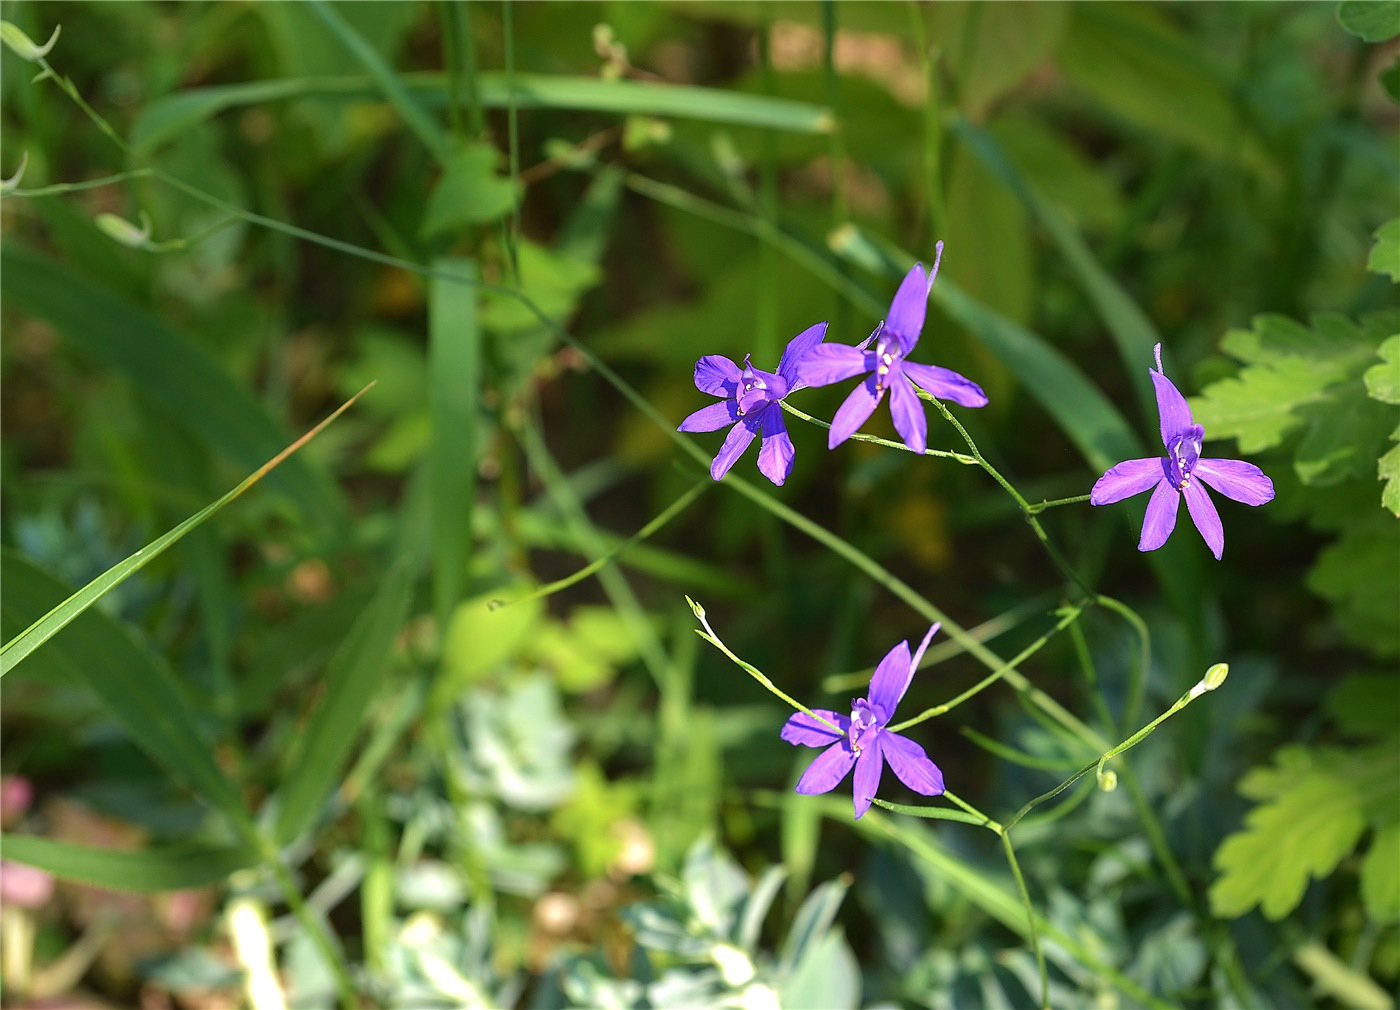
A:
885,367
863,742
1181,473
750,404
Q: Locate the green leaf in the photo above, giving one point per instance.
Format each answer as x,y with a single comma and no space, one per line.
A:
168,116
1383,380
1380,875
169,368
998,45
1135,62
134,685
1359,576
454,394
16,649
1372,20
469,192
1388,471
1310,816
1301,379
1385,254
480,636
355,671
143,871
554,281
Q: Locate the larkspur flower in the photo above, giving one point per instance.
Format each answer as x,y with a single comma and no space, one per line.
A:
863,742
751,405
1181,473
885,367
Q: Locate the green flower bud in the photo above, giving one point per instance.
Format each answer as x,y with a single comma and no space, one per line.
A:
23,45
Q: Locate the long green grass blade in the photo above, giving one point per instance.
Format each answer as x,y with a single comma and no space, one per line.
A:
134,685
384,77
169,368
454,395
355,671
165,118
143,871
46,627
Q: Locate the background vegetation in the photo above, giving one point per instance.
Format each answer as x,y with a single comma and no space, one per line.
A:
305,753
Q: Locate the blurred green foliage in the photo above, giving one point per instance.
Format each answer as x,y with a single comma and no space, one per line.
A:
316,705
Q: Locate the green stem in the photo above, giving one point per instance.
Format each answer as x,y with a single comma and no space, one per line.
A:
1042,506
958,457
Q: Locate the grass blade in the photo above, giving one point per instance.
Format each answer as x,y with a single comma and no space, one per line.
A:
134,685
167,117
169,368
454,394
46,627
355,671
142,871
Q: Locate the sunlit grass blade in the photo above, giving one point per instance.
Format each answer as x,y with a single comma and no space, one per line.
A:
169,369
46,627
143,871
134,685
167,117
454,395
355,671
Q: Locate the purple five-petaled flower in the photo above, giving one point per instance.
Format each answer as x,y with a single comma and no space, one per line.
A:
1181,473
863,741
750,404
885,367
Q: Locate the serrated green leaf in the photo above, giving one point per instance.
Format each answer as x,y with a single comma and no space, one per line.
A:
554,282
143,871
1359,576
1312,817
1385,254
1372,20
1300,379
1380,875
469,192
1383,380
1388,472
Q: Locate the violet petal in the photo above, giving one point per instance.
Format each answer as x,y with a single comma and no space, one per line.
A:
906,316
711,417
797,349
717,375
827,770
802,729
1160,519
912,764
1130,477
854,412
1234,478
908,413
1172,411
734,445
829,363
946,384
891,679
867,779
1205,517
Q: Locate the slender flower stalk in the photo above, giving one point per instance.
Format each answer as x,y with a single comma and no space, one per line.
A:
750,403
1182,473
885,368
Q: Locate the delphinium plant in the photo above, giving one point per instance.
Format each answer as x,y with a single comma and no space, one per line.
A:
862,743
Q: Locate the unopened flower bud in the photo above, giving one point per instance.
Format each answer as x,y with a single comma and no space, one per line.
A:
22,45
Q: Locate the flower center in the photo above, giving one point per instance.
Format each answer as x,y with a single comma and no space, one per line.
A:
1183,453
888,354
867,721
757,389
